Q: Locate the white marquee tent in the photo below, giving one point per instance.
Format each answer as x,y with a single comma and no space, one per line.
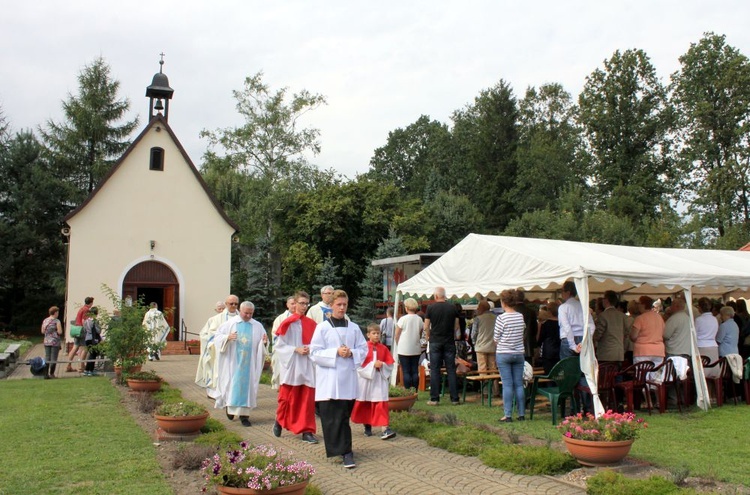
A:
484,265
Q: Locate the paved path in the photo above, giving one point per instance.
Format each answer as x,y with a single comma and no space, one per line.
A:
402,465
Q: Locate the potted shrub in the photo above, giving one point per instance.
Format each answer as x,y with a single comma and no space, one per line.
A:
256,470
126,341
143,381
600,441
181,417
401,399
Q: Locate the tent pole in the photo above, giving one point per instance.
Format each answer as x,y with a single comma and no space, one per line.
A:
701,387
589,365
394,345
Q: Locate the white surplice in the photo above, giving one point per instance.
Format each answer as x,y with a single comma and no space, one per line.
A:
336,377
373,383
293,369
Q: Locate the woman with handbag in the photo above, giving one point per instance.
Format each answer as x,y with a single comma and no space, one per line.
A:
76,333
52,331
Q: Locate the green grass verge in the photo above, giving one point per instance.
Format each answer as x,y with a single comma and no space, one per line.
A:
611,483
707,444
479,441
72,437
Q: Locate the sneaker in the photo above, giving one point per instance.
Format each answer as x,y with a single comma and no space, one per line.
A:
86,373
349,460
456,403
368,430
309,438
276,429
387,433
157,357
245,421
521,418
432,403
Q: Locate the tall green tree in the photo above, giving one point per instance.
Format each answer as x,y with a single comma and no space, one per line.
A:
412,155
256,169
548,153
32,261
485,136
92,136
626,118
712,92
347,221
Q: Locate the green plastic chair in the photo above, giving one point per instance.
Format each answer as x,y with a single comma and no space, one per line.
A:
566,375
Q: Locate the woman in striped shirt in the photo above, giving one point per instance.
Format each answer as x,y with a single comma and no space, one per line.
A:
509,331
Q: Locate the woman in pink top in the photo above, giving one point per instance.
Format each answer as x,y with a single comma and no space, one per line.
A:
648,333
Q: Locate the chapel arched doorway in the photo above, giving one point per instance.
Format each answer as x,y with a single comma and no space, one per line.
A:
155,282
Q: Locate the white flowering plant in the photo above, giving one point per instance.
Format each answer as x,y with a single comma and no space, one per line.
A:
260,468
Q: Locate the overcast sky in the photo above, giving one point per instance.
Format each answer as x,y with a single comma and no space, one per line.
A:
379,64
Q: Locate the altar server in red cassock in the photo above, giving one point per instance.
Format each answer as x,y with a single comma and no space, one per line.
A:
371,406
296,409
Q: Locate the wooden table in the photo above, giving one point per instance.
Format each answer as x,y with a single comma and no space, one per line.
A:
485,380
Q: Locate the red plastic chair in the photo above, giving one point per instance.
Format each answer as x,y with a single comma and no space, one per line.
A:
668,377
724,376
606,385
637,382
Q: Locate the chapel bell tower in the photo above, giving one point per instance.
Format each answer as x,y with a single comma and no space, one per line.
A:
159,90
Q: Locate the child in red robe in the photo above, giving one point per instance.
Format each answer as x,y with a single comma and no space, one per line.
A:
371,406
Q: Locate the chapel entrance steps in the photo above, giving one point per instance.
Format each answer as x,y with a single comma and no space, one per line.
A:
175,348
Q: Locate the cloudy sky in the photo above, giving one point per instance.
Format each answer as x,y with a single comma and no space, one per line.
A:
379,64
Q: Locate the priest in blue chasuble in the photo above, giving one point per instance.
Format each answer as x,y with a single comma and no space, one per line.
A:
242,343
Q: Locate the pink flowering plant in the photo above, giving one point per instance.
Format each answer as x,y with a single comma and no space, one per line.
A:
260,468
609,427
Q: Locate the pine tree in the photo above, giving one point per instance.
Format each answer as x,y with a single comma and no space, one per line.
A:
88,142
329,274
371,286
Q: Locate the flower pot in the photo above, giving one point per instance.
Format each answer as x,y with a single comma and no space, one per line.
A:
401,403
181,424
132,369
595,453
143,385
296,489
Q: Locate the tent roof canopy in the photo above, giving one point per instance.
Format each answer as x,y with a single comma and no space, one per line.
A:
485,265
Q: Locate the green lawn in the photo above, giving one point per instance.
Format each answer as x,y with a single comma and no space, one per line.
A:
710,444
73,437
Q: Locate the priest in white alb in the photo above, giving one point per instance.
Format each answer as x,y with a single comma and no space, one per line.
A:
155,323
241,345
205,376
